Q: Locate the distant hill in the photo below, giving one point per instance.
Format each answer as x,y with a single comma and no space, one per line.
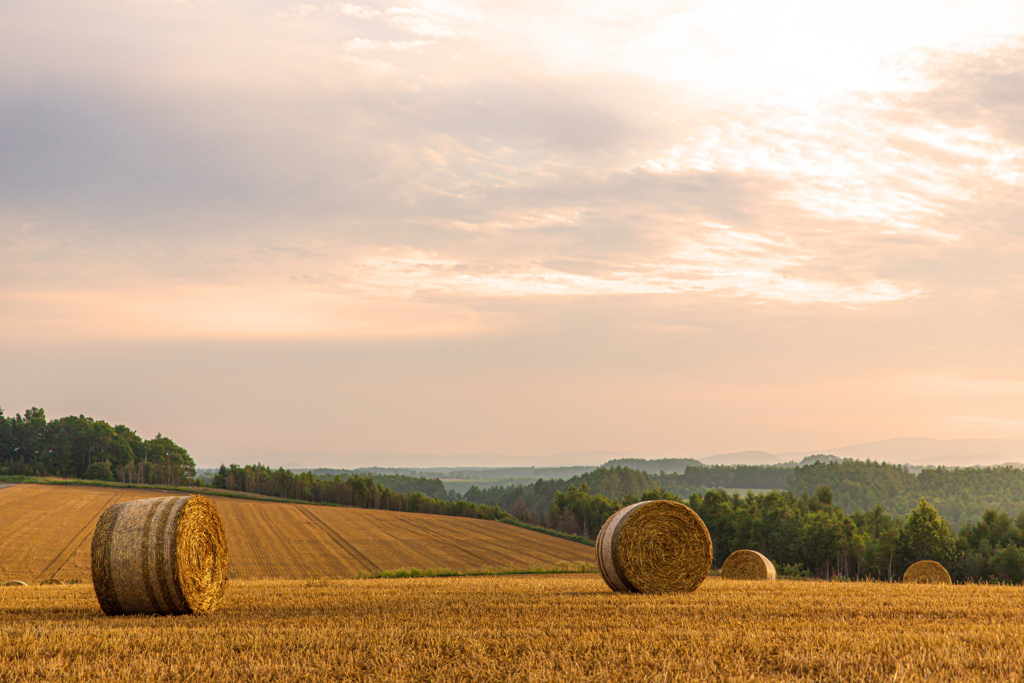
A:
531,473
742,458
438,481
666,465
47,533
422,461
949,453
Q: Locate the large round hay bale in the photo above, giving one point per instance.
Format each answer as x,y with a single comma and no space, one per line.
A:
51,582
748,565
926,571
656,546
15,583
160,556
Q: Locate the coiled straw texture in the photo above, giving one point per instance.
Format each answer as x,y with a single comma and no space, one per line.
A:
656,546
926,571
748,565
160,556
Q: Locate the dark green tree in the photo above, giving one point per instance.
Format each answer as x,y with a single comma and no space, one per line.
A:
925,536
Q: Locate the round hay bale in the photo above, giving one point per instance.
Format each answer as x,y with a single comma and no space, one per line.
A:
160,556
51,582
748,565
926,571
15,583
655,546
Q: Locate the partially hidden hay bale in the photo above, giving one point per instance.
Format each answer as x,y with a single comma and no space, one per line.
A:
160,556
15,583
51,582
926,571
748,565
656,546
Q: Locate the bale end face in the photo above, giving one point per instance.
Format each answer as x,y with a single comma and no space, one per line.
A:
748,565
655,546
926,571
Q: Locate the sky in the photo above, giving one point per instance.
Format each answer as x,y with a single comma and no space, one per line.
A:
268,228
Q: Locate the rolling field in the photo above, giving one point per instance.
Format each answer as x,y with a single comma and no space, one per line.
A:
46,532
526,628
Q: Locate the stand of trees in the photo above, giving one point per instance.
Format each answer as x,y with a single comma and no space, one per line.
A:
399,483
84,448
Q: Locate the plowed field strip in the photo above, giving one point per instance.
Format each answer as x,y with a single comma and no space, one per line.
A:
369,564
431,535
392,548
271,543
62,556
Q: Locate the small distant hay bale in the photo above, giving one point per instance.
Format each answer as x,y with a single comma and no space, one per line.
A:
926,571
160,556
656,546
748,565
51,582
15,583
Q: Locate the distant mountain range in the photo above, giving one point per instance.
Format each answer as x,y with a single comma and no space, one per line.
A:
920,452
909,451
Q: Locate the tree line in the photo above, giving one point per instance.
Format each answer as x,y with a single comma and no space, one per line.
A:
532,502
354,490
84,448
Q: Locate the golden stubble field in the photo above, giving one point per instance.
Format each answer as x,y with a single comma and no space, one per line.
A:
525,628
46,532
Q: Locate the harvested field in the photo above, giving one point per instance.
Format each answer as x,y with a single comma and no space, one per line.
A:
526,628
47,533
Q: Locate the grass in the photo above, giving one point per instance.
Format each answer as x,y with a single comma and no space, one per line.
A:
525,628
550,532
560,568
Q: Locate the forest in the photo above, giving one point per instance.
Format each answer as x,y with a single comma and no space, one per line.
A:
960,495
84,448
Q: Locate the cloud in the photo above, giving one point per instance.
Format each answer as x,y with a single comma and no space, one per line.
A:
378,151
981,89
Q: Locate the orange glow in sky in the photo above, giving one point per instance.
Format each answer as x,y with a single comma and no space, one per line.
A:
514,227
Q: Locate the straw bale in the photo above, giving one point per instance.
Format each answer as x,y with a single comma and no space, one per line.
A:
926,571
655,546
51,582
160,556
748,565
15,583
